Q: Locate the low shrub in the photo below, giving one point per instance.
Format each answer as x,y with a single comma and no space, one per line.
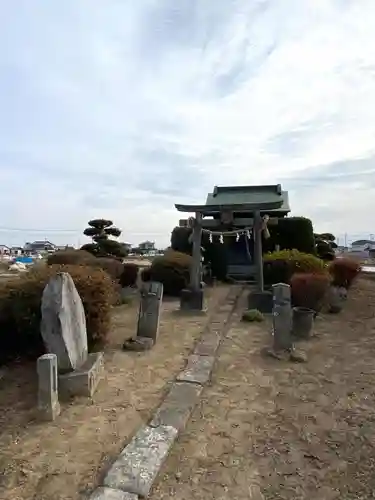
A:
70,257
129,274
172,270
309,290
113,267
344,271
20,308
279,267
252,315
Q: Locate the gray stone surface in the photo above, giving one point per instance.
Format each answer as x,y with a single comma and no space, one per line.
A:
343,292
177,406
303,322
263,301
335,299
83,382
208,344
218,321
282,317
192,300
138,344
63,325
48,397
111,494
149,310
139,463
198,369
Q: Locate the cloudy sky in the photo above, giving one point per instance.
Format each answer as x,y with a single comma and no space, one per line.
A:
121,108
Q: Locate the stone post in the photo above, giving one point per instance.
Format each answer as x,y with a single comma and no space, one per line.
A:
195,271
282,317
48,398
257,231
149,310
192,297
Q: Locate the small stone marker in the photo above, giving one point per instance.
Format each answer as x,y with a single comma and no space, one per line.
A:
149,310
282,317
48,399
63,325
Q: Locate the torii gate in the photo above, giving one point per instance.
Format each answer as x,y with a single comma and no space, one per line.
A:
192,298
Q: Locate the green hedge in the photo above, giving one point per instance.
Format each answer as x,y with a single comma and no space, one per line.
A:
279,267
172,270
295,233
70,257
20,308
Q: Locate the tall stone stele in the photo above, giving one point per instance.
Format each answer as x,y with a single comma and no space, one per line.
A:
63,325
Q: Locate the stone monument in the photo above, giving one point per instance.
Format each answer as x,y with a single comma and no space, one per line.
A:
282,317
282,321
63,329
148,318
63,326
149,310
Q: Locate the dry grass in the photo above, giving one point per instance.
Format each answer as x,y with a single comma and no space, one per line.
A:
272,430
60,460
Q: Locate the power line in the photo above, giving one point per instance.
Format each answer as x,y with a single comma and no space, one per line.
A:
26,230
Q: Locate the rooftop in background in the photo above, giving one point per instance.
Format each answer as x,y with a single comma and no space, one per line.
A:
147,245
269,198
39,246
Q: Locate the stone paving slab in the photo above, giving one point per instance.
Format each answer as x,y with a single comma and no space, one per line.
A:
198,369
217,324
139,463
208,344
177,406
110,494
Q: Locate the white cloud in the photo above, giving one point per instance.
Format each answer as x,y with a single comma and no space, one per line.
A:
120,110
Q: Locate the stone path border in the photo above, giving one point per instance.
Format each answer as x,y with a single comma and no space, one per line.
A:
132,475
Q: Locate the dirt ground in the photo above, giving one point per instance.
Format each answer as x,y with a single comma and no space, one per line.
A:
269,429
141,262
65,459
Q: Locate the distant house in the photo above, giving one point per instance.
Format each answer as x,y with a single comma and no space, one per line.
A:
4,250
16,251
40,246
362,245
147,246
